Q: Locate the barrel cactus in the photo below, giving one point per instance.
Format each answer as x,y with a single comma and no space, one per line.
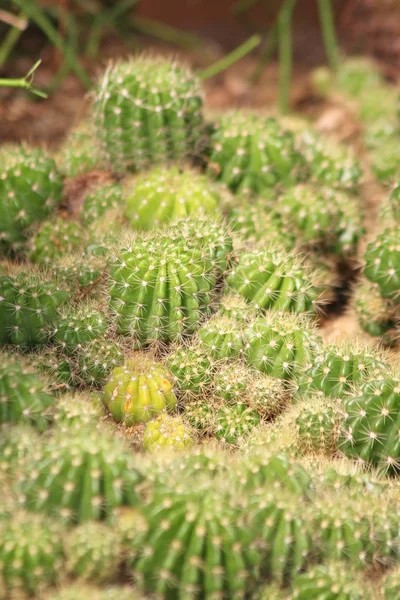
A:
138,391
390,586
221,339
165,432
164,195
234,422
79,327
96,360
382,263
82,591
332,581
55,238
376,315
191,369
98,200
16,443
79,153
147,111
317,426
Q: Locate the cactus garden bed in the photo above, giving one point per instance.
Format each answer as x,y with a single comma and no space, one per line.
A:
199,323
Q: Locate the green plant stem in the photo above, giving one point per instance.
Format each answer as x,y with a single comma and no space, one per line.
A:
266,53
243,6
285,53
106,18
9,42
166,33
25,83
329,33
231,58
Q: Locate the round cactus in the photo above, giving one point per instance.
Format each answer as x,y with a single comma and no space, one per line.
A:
23,396
98,201
191,369
78,591
138,391
96,360
147,111
272,279
390,586
79,153
251,153
31,555
55,238
164,195
167,432
28,309
221,339
337,370
234,422
390,208
318,427
79,475
381,263
93,552
30,188
16,444
280,344
78,328
78,410
235,307
201,414
370,429
331,581
374,313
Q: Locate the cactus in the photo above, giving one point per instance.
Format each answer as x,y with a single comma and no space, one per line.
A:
79,475
375,314
221,339
338,369
331,581
191,369
16,444
96,360
147,111
78,328
93,552
159,288
234,422
389,211
78,410
235,307
79,153
370,430
167,432
23,396
280,344
275,280
28,308
30,188
390,585
381,263
251,153
98,201
164,195
138,391
80,591
317,425
31,554
201,415
55,239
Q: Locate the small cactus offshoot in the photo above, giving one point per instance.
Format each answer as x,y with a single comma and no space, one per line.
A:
167,431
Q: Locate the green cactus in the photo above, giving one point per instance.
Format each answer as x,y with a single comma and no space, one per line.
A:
381,263
221,339
96,360
79,475
98,201
168,433
138,391
390,585
272,279
16,444
389,211
384,159
24,397
375,314
30,188
164,195
31,554
192,370
200,414
28,309
93,552
79,327
331,582
235,307
78,591
280,344
317,425
370,430
252,153
78,410
147,111
234,422
54,239
79,153
160,286
338,369
58,368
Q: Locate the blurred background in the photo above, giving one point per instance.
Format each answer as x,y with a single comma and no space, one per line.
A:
75,38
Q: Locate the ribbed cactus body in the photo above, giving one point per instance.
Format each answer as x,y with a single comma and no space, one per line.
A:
55,239
30,187
164,195
166,432
79,153
252,153
221,338
234,422
96,361
382,263
370,430
138,391
331,582
79,475
318,428
79,591
78,328
272,279
192,370
147,111
16,444
374,313
98,201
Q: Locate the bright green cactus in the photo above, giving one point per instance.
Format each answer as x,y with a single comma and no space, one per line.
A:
272,279
93,552
16,443
168,433
98,201
331,582
30,188
390,585
96,360
235,307
55,239
281,344
370,430
221,338
160,286
28,309
164,195
80,475
200,414
31,555
234,422
374,313
252,153
192,370
79,591
138,391
24,397
79,327
338,369
147,111
382,262
79,153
